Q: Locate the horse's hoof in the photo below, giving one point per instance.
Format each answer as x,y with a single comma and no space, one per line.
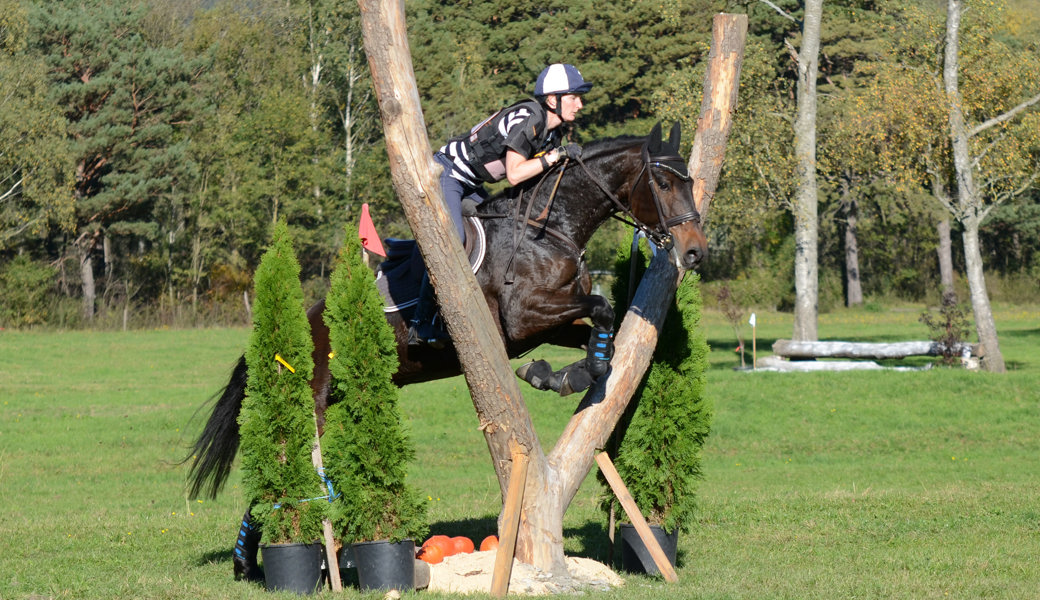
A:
246,570
597,368
536,373
575,380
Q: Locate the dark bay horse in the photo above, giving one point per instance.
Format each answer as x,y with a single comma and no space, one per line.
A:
533,276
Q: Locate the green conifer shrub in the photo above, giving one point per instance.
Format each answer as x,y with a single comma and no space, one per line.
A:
277,419
659,439
365,446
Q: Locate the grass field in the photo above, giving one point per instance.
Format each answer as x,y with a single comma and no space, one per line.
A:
824,485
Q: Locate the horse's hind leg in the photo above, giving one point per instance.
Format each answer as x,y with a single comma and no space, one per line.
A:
246,547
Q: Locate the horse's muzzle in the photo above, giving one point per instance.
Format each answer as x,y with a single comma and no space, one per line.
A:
689,259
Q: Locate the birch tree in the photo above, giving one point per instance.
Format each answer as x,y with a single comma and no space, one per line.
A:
972,204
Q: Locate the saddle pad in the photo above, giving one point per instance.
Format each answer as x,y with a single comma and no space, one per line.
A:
398,278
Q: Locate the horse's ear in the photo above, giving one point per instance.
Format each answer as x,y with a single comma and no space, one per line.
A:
653,142
674,136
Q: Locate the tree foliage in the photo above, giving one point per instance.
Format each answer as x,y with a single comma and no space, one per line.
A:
146,147
35,166
366,448
659,439
276,423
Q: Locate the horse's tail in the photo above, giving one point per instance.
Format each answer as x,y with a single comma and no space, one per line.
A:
214,450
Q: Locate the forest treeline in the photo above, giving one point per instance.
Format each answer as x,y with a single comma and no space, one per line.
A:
147,146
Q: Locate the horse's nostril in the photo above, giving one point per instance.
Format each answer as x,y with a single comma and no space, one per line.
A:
693,257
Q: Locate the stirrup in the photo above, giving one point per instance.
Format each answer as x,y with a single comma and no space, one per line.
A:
426,334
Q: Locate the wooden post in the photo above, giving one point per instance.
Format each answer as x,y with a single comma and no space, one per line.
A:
721,84
754,343
326,524
636,517
510,526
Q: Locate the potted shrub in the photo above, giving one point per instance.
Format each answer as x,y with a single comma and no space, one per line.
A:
657,449
277,424
364,443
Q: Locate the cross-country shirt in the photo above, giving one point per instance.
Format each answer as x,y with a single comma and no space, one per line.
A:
480,155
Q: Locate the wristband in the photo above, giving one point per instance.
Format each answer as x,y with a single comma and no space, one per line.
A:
545,163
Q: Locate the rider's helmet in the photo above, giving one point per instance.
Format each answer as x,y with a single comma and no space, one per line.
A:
559,79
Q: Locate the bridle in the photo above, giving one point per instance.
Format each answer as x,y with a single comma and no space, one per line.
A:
661,234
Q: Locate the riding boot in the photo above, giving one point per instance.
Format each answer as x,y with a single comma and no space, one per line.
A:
422,330
246,547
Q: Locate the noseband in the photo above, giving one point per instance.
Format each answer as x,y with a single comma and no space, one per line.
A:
659,235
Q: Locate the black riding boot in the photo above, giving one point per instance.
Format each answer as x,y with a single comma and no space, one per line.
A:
244,557
422,330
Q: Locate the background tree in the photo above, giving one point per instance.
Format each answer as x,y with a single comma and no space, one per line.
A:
123,100
35,191
972,206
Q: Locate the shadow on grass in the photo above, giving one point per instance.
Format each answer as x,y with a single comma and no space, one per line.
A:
215,557
1020,333
591,539
476,528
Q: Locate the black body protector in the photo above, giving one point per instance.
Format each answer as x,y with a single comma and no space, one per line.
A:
480,156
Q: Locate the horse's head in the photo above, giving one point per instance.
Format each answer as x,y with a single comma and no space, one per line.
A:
662,200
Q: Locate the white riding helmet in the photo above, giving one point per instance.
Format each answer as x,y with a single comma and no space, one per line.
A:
560,78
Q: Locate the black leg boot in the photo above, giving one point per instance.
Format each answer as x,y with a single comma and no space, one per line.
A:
246,547
422,330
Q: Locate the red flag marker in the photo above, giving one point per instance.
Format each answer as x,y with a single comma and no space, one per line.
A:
367,232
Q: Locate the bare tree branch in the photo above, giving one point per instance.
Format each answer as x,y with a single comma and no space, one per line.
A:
783,13
1002,118
11,192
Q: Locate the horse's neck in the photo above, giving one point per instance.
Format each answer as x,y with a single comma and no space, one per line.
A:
586,205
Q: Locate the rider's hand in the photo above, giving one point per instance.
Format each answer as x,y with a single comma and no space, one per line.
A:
569,151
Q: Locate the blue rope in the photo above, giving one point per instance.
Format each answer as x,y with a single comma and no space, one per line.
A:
332,495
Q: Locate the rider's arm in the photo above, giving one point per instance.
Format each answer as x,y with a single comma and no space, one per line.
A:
520,169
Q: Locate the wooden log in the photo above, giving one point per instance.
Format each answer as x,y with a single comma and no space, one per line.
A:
721,84
874,351
493,386
510,526
636,517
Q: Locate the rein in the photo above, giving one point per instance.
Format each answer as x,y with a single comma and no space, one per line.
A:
660,235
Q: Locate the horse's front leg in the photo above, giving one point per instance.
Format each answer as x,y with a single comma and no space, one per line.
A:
599,346
600,349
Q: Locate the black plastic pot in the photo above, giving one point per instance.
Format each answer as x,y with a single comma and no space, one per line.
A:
635,558
382,565
293,567
347,567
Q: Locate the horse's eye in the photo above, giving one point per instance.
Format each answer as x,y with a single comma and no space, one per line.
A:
664,186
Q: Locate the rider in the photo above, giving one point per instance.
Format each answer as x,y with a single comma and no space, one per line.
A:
516,143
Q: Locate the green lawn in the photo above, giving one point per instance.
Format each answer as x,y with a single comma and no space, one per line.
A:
818,485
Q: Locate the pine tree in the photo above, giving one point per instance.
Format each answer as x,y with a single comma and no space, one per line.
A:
661,436
277,418
365,446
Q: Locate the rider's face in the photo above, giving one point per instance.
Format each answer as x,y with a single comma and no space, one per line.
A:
570,104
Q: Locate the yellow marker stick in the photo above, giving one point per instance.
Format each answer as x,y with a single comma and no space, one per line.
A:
279,358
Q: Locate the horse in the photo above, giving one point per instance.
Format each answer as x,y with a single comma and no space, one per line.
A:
531,270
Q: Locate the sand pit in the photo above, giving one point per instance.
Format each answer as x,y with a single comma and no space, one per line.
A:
466,573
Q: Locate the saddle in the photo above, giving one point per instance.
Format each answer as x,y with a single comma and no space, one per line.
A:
399,276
